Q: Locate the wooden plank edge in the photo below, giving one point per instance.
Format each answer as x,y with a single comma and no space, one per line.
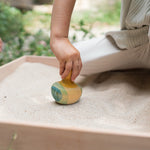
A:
78,129
10,67
39,137
51,61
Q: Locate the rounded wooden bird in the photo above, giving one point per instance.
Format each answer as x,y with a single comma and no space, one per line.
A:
66,91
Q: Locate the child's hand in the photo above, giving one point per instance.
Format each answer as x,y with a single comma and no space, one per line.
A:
68,57
1,44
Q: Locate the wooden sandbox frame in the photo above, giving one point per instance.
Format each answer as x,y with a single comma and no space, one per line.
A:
30,136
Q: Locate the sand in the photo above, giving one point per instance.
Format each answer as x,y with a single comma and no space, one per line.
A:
118,100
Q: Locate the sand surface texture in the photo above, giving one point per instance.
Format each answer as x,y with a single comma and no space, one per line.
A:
111,100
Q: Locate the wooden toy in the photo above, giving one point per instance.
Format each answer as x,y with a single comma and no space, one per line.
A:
66,91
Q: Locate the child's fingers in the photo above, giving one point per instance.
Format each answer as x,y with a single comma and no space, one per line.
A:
61,67
80,65
75,69
68,67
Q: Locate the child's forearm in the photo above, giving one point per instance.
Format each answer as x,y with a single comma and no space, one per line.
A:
67,55
61,15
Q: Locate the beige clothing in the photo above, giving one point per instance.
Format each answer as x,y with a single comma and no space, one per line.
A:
135,21
104,54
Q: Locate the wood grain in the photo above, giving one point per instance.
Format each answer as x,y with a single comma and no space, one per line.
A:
31,136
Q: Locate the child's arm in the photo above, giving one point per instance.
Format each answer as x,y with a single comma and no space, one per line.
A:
67,55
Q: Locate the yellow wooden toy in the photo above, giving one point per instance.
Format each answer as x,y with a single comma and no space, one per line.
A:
66,91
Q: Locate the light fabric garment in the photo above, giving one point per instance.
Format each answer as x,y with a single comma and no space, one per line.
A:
135,21
124,49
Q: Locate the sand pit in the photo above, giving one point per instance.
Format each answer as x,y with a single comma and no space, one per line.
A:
112,100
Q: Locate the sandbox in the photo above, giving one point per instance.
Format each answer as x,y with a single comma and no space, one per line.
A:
113,112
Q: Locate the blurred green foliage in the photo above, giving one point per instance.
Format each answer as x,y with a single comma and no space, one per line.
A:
15,37
38,45
105,13
32,19
10,22
11,50
110,13
20,35
81,27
